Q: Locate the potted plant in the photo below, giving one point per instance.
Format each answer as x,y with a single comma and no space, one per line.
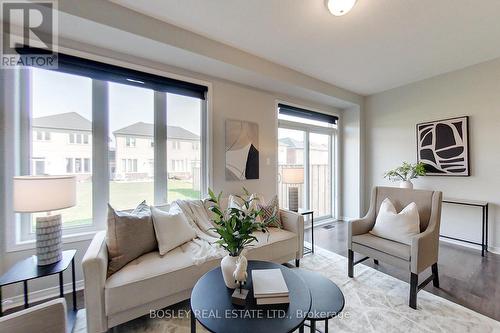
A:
235,227
405,173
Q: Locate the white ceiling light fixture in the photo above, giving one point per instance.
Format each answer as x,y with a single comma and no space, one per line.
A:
340,7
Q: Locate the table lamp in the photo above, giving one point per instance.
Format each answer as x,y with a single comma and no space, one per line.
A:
33,194
293,176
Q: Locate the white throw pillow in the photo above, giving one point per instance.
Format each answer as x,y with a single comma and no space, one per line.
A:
397,227
172,229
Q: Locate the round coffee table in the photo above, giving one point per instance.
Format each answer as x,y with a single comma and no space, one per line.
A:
327,298
211,304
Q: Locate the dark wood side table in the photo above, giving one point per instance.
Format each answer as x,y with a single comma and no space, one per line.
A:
484,232
310,212
27,269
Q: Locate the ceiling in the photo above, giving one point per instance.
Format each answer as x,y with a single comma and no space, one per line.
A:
380,44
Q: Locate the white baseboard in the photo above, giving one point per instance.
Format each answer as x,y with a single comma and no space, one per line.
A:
492,249
39,295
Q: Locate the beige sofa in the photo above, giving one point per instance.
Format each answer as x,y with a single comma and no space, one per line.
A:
153,282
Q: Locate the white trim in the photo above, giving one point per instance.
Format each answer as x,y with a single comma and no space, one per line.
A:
66,239
492,249
40,295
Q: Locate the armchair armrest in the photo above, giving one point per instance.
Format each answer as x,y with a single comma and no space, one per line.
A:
424,250
425,246
362,225
48,317
294,222
95,269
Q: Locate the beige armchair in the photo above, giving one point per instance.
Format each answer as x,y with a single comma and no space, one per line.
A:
423,251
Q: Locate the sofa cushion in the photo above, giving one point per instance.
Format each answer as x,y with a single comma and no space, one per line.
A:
172,229
276,244
151,277
128,236
392,248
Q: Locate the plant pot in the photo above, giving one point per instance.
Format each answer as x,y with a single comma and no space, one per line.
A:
228,266
406,184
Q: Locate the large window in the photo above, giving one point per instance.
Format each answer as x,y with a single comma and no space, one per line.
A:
61,106
144,137
131,131
306,147
183,136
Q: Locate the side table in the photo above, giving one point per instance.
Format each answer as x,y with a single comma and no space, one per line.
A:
310,212
27,269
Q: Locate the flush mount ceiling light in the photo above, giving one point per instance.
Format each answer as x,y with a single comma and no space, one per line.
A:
340,7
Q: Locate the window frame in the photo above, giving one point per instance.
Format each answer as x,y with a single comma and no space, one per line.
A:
99,164
333,152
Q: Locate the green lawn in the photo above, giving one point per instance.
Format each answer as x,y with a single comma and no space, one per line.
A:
123,195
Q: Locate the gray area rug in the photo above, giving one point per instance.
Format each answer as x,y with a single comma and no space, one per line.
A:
375,302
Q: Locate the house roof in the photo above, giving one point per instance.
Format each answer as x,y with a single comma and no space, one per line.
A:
145,129
67,121
295,144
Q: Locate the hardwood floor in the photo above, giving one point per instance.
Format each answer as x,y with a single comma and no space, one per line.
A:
465,277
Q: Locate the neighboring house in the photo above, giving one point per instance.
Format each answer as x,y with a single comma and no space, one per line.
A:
291,152
134,154
62,144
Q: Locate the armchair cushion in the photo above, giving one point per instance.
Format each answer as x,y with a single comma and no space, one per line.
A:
403,197
399,227
390,247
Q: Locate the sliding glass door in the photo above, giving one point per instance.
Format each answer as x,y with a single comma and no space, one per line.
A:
291,165
306,159
320,174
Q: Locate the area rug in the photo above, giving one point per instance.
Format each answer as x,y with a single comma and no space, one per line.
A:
375,302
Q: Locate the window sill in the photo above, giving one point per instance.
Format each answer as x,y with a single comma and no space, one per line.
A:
66,239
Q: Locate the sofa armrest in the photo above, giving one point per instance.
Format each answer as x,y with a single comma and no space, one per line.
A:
294,222
95,269
48,317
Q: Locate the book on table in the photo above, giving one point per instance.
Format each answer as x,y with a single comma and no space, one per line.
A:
269,286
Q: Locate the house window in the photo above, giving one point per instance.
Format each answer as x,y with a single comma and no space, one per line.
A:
69,165
86,165
176,145
130,141
42,135
74,103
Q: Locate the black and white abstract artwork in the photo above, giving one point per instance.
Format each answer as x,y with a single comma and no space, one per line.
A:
242,150
443,146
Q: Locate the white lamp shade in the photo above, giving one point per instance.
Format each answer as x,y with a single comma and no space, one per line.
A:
44,193
293,175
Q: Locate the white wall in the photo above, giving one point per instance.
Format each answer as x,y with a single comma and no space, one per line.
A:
391,117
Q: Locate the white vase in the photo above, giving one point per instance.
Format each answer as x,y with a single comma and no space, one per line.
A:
228,266
406,184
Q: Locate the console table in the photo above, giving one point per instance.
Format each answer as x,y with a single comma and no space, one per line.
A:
484,231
